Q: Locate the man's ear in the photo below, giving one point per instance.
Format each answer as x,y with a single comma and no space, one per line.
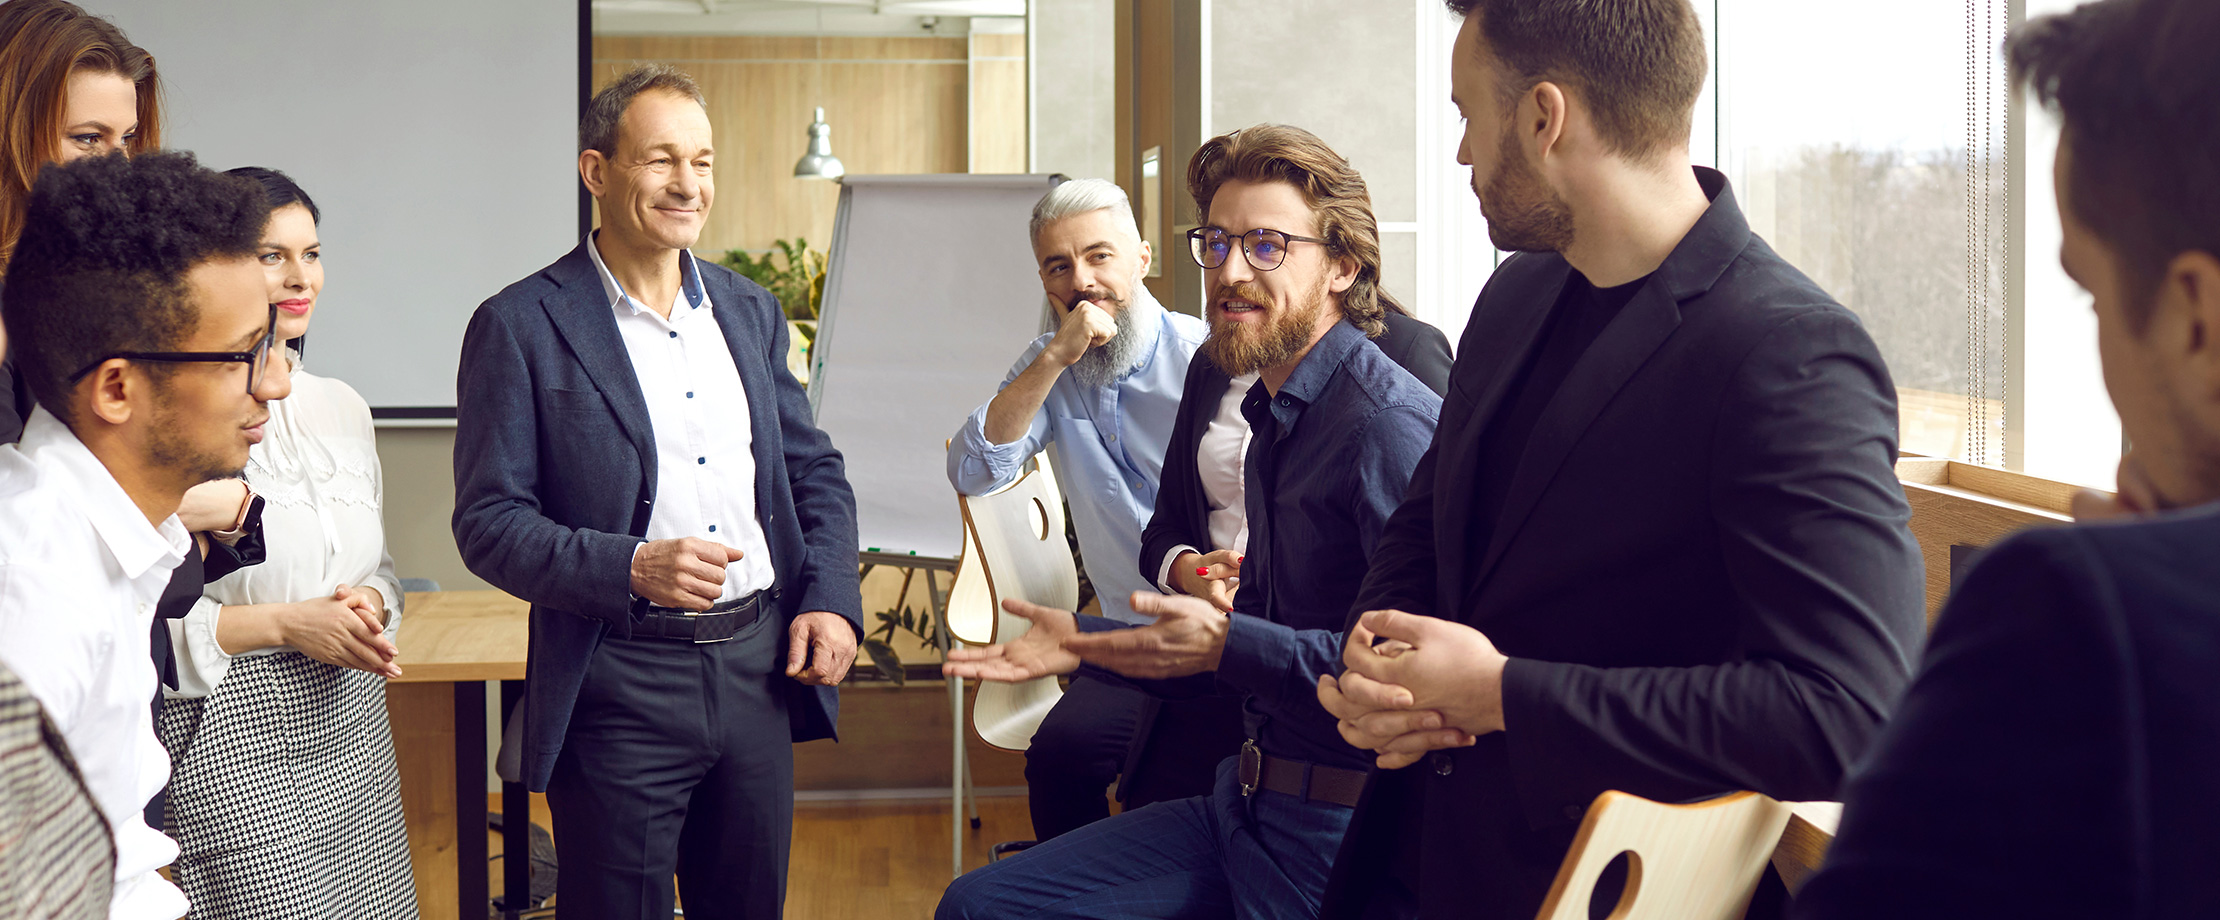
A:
1542,114
111,392
2192,285
1345,274
1147,256
593,170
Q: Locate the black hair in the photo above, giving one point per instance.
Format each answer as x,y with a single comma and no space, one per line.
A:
2137,85
101,265
282,192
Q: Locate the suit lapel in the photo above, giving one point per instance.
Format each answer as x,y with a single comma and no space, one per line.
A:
584,318
1497,342
1617,353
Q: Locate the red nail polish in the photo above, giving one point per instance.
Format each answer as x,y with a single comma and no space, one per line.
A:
1240,559
1202,571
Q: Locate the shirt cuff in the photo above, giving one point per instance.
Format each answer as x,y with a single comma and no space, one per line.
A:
201,662
1258,651
1164,572
984,466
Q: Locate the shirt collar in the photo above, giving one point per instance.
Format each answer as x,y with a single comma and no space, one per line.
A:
690,287
137,546
1317,367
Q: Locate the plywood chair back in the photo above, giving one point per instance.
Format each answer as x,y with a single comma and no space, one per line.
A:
1699,861
1015,545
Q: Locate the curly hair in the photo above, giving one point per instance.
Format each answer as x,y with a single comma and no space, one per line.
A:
42,43
101,266
1329,185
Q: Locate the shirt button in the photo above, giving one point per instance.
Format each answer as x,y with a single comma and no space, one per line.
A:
674,335
701,459
1573,812
1113,439
712,528
689,394
1442,766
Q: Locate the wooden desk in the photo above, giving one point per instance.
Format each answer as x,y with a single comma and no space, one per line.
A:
459,639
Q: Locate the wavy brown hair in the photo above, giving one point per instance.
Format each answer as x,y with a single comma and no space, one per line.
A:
1330,186
43,42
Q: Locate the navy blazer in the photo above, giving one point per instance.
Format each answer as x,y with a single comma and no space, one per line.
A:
2056,756
555,478
1702,570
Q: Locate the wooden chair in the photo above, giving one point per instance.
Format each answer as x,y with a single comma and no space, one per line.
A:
1014,547
1699,861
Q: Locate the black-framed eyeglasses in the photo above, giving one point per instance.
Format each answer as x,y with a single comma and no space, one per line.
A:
256,361
1264,249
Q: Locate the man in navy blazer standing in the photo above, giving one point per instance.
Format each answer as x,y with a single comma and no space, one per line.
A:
632,458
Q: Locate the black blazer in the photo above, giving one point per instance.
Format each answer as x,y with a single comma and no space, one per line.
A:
2056,756
1702,570
1177,744
555,478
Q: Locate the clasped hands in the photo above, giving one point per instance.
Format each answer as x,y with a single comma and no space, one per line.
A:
1414,684
688,573
1188,637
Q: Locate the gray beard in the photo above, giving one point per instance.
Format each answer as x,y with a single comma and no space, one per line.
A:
1103,364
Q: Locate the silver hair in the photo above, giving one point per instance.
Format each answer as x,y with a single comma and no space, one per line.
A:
1079,196
597,129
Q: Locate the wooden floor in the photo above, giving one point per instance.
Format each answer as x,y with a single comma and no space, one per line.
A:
868,860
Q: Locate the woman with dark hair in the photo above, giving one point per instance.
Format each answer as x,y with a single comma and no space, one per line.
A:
284,796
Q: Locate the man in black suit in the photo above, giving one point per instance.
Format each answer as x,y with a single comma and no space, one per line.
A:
1658,544
2056,756
632,458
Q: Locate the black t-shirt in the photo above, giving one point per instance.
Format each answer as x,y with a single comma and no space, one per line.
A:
1581,312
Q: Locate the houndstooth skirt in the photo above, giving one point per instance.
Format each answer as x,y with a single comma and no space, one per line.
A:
284,797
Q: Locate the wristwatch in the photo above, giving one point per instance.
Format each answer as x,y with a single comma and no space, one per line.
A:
250,511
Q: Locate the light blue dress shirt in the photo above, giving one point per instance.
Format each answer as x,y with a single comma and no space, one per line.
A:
1107,446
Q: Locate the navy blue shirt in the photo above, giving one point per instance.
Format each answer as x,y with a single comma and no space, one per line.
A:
1329,459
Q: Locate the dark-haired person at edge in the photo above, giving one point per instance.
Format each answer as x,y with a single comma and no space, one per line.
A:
137,312
72,86
1658,544
1195,541
293,654
632,458
1290,254
2057,755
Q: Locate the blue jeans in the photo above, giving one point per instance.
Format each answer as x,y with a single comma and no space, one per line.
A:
1222,855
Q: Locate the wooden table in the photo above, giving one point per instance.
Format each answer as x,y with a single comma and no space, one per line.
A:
463,639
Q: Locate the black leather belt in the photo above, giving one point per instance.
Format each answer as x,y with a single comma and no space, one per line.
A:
716,624
1307,781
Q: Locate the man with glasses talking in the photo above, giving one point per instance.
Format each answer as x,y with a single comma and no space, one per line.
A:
139,319
1290,253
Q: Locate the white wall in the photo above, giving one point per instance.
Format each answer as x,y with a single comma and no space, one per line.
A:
438,138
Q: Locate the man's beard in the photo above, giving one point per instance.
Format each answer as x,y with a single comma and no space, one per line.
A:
1523,213
1101,365
1241,348
169,449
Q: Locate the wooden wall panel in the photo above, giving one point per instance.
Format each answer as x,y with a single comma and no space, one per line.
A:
896,105
998,104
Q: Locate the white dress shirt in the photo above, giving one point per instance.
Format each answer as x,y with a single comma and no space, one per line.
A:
80,573
1218,459
704,447
317,472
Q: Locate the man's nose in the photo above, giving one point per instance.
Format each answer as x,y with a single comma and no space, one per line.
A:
277,377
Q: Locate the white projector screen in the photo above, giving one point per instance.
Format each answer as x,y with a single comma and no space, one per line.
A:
930,296
439,138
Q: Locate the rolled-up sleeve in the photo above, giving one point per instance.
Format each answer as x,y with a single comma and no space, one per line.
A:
976,465
201,662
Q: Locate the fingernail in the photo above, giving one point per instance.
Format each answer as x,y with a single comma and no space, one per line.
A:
1202,571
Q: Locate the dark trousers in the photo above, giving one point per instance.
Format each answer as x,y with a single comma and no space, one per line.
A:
1076,754
1255,857
677,761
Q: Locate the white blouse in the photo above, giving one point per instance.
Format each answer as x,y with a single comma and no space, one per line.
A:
317,472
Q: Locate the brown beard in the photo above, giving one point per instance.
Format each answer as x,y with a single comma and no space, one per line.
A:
1241,348
1523,213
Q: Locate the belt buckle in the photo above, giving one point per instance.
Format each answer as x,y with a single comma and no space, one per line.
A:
1251,772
